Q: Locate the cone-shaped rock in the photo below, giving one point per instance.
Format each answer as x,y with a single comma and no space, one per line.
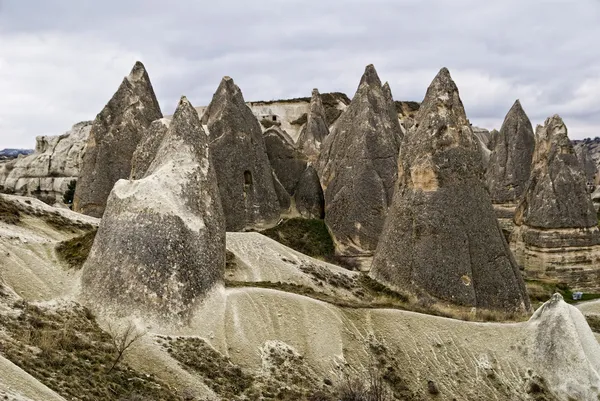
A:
286,161
358,168
310,201
241,162
587,163
441,238
510,162
113,138
316,130
160,246
556,234
391,107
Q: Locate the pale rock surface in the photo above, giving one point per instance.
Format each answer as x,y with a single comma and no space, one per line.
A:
114,136
441,238
316,128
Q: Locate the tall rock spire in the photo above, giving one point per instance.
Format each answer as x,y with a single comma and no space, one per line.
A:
113,138
316,130
510,162
357,168
441,239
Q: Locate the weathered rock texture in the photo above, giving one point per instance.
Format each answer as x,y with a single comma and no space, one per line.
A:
309,198
587,163
114,136
238,151
482,137
358,169
287,162
557,233
160,246
316,129
48,171
441,239
510,162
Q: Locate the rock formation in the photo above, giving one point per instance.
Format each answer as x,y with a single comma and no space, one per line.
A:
160,246
309,198
557,233
238,151
587,163
287,162
316,129
47,172
114,136
510,162
482,137
441,239
357,168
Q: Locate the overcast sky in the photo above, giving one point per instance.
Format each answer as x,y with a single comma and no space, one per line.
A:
61,60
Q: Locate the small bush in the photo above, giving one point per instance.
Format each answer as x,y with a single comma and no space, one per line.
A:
76,250
70,193
308,236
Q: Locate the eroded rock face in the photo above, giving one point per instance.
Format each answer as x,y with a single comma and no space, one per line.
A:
241,162
114,136
286,161
587,163
510,162
310,201
357,168
482,137
160,246
316,129
48,171
441,239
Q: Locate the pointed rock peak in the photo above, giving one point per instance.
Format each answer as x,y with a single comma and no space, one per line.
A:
442,99
184,107
516,108
370,77
555,130
137,72
315,92
387,91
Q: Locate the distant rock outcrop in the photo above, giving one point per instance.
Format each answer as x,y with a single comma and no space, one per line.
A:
357,168
309,198
316,129
441,239
287,162
160,246
238,151
114,136
587,163
47,172
482,137
556,234
510,162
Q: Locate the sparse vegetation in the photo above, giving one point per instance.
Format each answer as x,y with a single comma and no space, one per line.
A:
540,291
75,251
308,236
593,322
9,212
70,193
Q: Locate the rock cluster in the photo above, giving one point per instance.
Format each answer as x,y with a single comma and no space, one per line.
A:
315,130
160,246
238,152
441,239
113,138
556,234
357,168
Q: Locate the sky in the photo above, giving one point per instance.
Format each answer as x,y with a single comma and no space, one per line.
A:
62,60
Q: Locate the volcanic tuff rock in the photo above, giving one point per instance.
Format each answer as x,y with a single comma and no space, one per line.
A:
510,163
310,201
160,246
287,162
482,137
441,238
587,163
238,151
114,136
557,229
357,168
316,130
48,171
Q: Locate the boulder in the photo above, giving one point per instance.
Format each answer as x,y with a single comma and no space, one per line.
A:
238,151
114,136
357,168
510,162
309,198
441,240
160,247
316,128
287,162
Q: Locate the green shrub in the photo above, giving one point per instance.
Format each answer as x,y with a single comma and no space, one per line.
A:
308,236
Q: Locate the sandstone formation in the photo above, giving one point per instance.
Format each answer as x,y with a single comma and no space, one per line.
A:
287,162
114,136
557,233
357,168
309,198
47,172
238,151
441,239
160,246
510,162
316,129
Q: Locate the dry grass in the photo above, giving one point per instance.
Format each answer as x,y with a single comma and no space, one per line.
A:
76,250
